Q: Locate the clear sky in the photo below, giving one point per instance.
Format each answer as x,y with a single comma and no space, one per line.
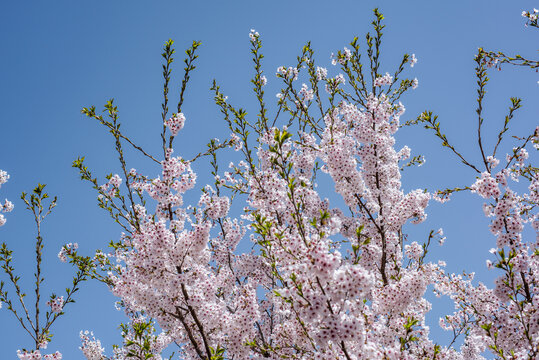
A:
58,56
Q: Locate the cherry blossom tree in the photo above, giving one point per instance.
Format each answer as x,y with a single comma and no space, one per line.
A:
320,281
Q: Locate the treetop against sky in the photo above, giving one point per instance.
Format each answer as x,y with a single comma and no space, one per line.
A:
281,192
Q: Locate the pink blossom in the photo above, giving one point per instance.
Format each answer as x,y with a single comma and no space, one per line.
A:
175,123
56,304
383,80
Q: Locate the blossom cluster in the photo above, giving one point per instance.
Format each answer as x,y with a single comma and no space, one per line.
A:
290,73
253,35
91,348
531,15
306,94
56,304
112,186
321,73
413,60
36,355
383,80
66,250
8,205
175,123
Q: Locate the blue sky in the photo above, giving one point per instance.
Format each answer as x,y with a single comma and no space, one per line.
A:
60,56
